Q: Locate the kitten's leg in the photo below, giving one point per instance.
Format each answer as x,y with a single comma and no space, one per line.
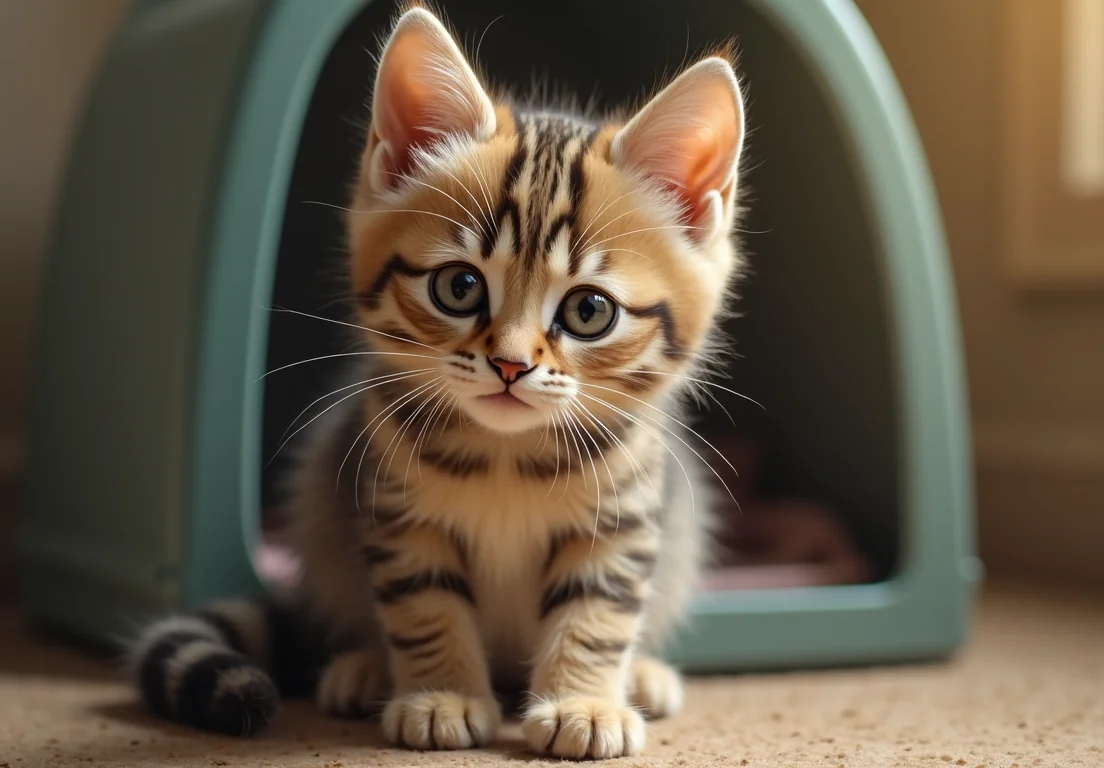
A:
654,687
443,697
353,684
591,613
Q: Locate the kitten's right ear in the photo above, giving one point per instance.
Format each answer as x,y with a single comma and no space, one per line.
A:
688,139
425,90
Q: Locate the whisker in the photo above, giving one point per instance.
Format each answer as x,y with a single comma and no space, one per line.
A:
602,209
577,427
642,229
682,424
396,377
613,482
544,438
479,179
347,354
628,250
485,31
390,210
703,382
350,325
634,420
567,450
690,448
636,465
327,408
438,399
556,437
383,416
426,184
616,218
478,207
396,440
567,427
431,422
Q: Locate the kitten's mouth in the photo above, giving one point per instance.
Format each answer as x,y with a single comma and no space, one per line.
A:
504,399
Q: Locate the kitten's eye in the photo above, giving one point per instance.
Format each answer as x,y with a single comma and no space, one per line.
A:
587,314
458,289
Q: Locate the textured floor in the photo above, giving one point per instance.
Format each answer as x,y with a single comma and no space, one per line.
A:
1029,691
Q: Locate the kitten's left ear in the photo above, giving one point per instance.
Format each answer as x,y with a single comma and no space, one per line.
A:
425,90
688,139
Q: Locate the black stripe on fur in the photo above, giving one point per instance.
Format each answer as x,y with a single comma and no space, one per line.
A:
448,581
613,588
242,709
226,627
239,709
151,670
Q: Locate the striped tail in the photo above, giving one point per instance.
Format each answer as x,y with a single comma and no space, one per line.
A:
208,669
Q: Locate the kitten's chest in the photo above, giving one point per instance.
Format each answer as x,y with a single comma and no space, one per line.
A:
506,528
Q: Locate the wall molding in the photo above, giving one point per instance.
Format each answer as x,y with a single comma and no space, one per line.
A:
1041,449
1053,235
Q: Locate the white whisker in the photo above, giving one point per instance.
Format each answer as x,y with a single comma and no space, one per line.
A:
389,376
613,482
605,226
685,426
333,405
346,354
479,179
600,243
577,428
438,399
382,418
431,423
637,422
556,437
703,382
567,427
392,210
603,207
464,208
397,438
637,468
351,325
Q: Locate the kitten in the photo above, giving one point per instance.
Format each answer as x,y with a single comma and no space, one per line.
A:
516,509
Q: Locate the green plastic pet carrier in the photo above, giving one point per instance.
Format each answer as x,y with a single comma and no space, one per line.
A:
186,216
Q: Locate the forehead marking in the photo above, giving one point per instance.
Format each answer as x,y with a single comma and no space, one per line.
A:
543,185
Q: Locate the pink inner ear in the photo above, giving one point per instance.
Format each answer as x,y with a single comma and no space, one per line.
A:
688,140
424,90
703,161
401,100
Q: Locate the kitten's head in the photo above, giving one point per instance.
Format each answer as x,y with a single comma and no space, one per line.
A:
538,263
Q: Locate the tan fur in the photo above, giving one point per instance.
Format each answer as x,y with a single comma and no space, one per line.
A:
452,552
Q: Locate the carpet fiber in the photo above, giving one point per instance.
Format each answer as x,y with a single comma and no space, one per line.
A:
1028,691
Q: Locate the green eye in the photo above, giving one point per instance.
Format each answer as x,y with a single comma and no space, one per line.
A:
458,289
587,314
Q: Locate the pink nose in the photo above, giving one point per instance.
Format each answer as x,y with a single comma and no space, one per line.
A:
509,370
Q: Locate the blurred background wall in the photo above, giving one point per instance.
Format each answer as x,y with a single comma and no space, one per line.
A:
48,54
1009,99
987,83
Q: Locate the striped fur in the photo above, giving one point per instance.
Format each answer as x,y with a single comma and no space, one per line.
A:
547,543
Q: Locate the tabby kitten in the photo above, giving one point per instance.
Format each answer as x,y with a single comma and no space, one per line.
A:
516,508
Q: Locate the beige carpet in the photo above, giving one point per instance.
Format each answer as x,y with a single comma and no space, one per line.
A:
1029,691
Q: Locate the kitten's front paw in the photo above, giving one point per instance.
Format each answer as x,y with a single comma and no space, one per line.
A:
351,685
583,727
441,720
655,688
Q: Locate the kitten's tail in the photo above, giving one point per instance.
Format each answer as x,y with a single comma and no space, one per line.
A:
211,669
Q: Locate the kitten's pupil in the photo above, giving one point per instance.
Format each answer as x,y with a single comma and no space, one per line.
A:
462,284
587,308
